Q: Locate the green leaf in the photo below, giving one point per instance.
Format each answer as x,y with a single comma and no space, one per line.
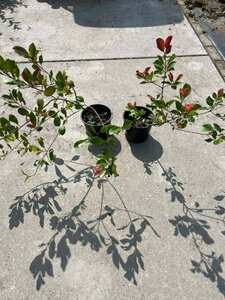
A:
214,134
23,111
172,58
97,140
69,105
102,162
210,101
60,80
127,124
158,65
80,99
33,52
49,91
114,130
169,103
218,141
176,112
207,127
13,119
39,128
41,59
34,148
160,103
208,140
217,127
27,76
52,113
40,103
57,121
33,118
11,67
41,142
170,66
62,130
111,141
21,51
52,156
81,143
179,106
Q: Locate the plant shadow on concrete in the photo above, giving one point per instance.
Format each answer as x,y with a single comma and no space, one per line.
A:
120,14
193,223
8,7
148,152
120,239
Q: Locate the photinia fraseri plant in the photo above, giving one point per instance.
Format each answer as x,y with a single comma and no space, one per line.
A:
23,128
56,101
177,111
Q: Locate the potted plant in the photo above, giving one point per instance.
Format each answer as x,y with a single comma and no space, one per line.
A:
177,111
57,102
94,118
141,118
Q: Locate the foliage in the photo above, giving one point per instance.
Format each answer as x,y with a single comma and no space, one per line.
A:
138,115
176,111
56,101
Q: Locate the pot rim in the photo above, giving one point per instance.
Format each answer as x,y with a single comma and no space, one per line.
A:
97,104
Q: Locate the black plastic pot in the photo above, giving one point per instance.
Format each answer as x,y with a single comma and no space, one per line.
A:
138,134
96,109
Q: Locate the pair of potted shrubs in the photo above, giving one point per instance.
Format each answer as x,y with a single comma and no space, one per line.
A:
97,116
57,102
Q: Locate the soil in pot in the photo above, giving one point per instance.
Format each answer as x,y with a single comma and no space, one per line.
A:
139,131
95,117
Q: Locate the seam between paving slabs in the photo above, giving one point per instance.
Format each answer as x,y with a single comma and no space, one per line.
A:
206,42
108,59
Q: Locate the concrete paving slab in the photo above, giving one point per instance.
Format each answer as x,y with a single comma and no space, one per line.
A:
93,29
164,178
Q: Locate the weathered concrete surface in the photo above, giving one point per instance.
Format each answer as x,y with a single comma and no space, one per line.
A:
160,178
163,178
95,29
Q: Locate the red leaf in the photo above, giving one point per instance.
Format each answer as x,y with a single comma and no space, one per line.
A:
160,44
220,92
168,49
168,41
151,97
146,70
170,76
139,74
184,92
30,126
188,107
131,105
179,77
97,171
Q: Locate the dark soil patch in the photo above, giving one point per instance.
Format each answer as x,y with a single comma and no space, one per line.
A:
212,9
210,14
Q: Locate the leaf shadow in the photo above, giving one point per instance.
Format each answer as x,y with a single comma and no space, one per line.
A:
10,6
148,152
119,237
194,223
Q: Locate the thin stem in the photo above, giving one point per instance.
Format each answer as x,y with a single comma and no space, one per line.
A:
124,205
189,131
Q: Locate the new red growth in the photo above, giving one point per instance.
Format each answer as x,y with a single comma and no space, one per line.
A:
164,45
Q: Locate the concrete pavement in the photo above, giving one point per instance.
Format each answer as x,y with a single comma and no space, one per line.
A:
168,177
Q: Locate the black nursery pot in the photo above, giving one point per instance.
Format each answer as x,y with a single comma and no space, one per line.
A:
100,109
138,134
